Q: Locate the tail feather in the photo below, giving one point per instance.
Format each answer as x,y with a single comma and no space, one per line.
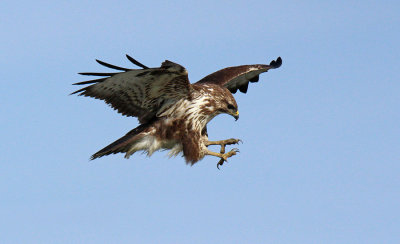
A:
123,144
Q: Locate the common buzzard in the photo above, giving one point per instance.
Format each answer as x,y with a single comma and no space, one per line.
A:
173,114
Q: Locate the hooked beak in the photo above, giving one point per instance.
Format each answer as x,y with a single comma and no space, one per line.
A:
236,115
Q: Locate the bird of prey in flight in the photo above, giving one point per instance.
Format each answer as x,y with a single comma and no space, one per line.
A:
173,113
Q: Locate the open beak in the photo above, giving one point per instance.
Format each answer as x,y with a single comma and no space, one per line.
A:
236,115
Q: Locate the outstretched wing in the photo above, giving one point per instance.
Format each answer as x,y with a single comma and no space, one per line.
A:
140,93
238,77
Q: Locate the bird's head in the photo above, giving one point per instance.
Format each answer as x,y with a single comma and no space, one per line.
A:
227,104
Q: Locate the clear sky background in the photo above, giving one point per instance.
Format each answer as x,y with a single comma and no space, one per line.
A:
320,161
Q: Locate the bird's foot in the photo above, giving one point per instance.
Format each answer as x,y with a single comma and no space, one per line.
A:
224,142
224,156
227,155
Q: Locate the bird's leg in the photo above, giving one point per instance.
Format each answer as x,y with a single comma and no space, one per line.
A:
221,161
224,156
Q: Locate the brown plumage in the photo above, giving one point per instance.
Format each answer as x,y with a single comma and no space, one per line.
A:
173,114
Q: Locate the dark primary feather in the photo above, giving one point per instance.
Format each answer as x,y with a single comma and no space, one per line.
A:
238,77
88,82
135,62
111,66
98,74
276,63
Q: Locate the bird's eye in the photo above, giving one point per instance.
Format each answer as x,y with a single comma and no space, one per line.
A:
230,106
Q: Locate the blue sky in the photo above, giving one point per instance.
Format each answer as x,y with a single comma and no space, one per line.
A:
320,162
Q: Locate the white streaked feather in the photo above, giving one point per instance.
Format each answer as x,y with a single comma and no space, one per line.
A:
150,144
175,150
146,144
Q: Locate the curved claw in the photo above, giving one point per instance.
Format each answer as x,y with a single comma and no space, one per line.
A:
237,141
221,162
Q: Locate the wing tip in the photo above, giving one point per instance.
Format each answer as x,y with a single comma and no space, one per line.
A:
94,156
111,66
276,63
135,62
